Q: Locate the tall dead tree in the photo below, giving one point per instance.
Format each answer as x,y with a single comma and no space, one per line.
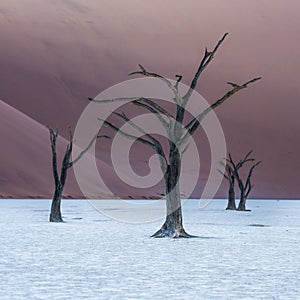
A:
60,179
245,186
178,131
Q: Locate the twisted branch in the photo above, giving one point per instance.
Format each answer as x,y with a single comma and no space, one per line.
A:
138,128
155,112
154,145
194,123
173,88
246,187
207,58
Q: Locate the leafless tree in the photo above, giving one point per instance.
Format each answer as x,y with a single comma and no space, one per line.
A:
60,179
178,131
245,186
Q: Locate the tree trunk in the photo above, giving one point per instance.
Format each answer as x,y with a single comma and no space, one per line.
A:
242,204
231,199
173,225
55,214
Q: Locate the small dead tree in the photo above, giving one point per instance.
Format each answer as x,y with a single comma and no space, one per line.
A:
229,175
245,186
60,179
178,131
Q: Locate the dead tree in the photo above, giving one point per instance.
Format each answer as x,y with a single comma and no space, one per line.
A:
60,179
229,175
245,186
178,134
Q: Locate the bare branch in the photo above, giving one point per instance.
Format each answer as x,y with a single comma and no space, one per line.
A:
178,80
128,99
229,173
129,136
172,87
138,128
156,146
65,163
207,58
149,104
184,149
233,168
193,124
87,149
157,107
155,142
248,185
133,100
224,175
155,112
241,162
245,159
53,138
66,160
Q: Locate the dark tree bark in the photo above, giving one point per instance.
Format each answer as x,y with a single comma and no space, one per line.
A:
245,188
242,204
231,198
178,134
229,175
173,225
60,180
55,214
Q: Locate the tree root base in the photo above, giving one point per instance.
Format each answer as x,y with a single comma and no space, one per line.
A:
56,220
171,233
231,208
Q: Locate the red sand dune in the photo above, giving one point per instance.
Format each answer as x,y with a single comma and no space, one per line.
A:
26,162
54,54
